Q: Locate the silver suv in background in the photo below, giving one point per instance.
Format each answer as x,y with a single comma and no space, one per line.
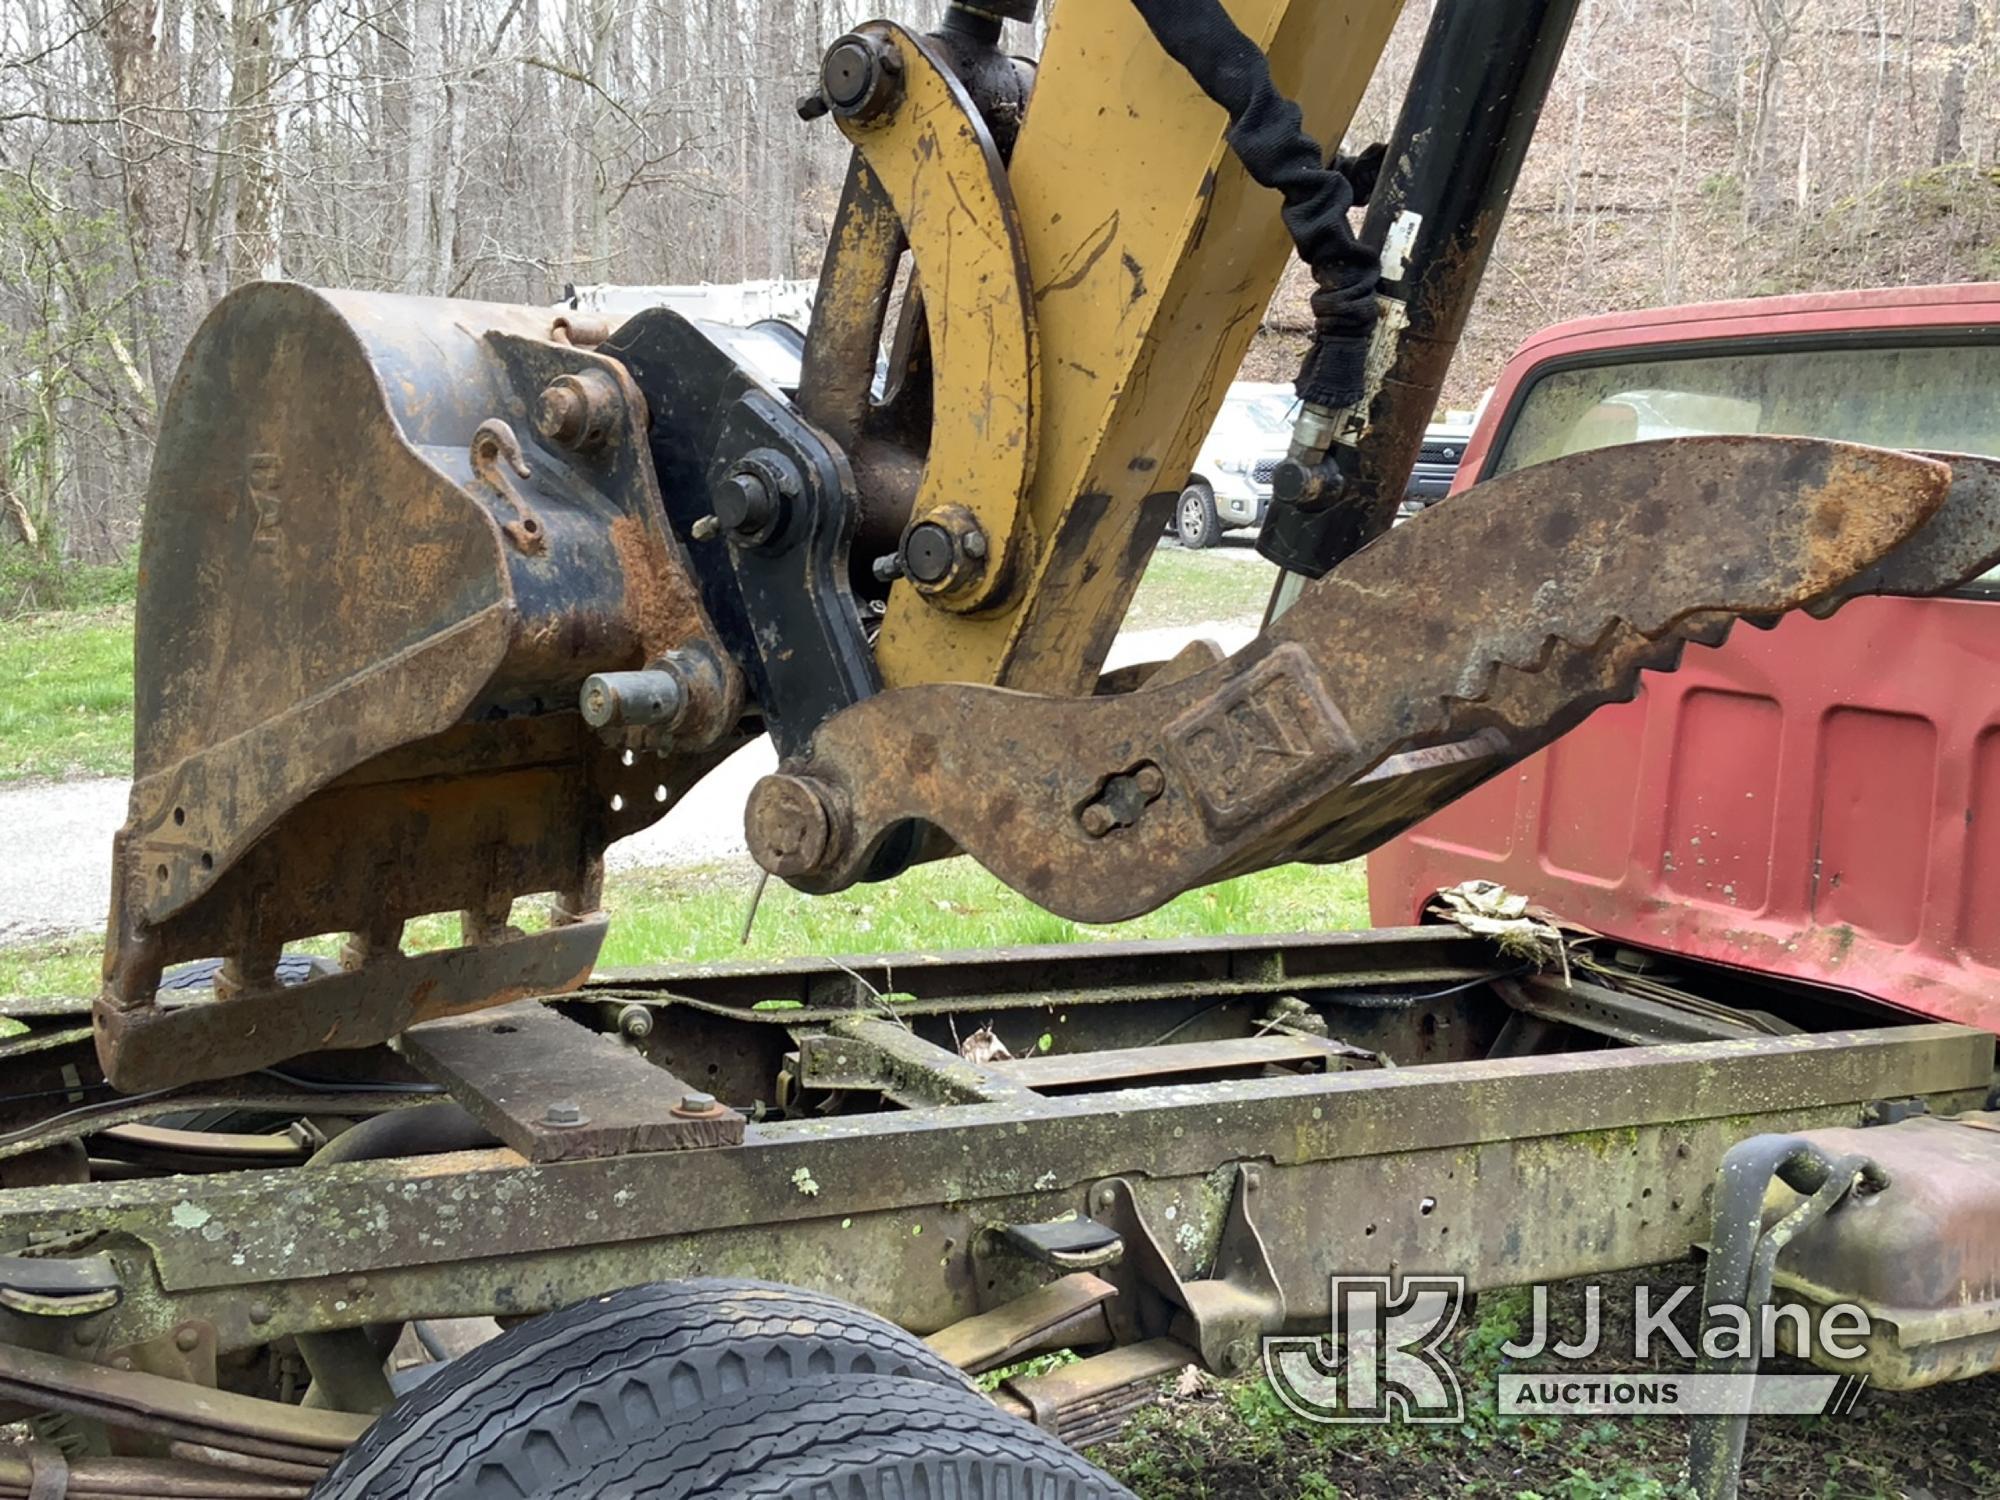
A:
1230,485
1437,462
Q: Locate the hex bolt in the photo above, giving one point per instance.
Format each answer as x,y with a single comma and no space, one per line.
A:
696,1103
974,543
789,824
564,1114
811,106
632,700
1150,780
635,1021
1097,820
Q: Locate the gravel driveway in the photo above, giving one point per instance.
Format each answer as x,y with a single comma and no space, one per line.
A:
58,876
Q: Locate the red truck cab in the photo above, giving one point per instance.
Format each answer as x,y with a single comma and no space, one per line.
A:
1820,800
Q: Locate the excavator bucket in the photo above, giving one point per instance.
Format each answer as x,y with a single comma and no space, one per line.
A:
385,537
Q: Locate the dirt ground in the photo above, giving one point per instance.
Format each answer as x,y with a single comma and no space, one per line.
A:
1236,1438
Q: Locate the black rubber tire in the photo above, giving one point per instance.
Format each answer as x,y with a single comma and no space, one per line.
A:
293,968
1196,522
857,1437
582,1384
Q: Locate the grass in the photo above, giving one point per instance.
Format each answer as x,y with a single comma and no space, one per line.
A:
67,706
1237,1438
31,584
1186,588
688,916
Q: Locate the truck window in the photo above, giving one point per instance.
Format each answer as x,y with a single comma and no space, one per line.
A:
1938,396
1942,396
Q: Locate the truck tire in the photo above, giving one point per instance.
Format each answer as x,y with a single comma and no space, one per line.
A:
581,1385
858,1437
1195,520
293,968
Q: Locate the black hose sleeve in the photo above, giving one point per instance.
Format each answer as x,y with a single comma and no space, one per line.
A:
1362,170
1267,133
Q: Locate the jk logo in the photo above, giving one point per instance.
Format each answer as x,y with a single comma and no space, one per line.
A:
1381,1361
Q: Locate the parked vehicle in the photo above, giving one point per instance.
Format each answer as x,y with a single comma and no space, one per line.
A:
1437,462
1230,484
1820,800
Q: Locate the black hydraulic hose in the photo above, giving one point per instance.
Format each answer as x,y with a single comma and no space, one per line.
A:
346,1363
1742,1258
1267,133
423,1130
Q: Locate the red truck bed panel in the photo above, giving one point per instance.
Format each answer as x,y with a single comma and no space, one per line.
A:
1820,800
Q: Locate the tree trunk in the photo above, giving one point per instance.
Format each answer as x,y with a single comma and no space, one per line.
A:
143,47
426,113
1950,143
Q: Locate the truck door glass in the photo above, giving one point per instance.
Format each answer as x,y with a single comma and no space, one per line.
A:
1938,396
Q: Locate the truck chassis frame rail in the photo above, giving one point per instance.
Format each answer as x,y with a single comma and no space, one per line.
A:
1193,1138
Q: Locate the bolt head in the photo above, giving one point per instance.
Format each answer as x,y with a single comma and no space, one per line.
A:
850,72
789,825
564,1113
927,553
260,1311
187,1338
1097,820
1150,780
635,1021
744,504
975,544
696,1103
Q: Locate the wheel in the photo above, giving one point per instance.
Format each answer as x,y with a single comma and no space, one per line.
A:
1195,520
582,1385
292,968
857,1437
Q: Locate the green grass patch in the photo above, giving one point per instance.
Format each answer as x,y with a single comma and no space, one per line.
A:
676,916
682,916
33,585
1186,588
53,966
67,708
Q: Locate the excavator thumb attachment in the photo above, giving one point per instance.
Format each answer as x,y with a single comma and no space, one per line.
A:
386,542
1443,652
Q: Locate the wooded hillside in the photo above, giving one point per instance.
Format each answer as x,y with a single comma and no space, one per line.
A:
154,153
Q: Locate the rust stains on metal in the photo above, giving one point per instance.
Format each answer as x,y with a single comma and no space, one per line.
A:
371,590
1516,609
